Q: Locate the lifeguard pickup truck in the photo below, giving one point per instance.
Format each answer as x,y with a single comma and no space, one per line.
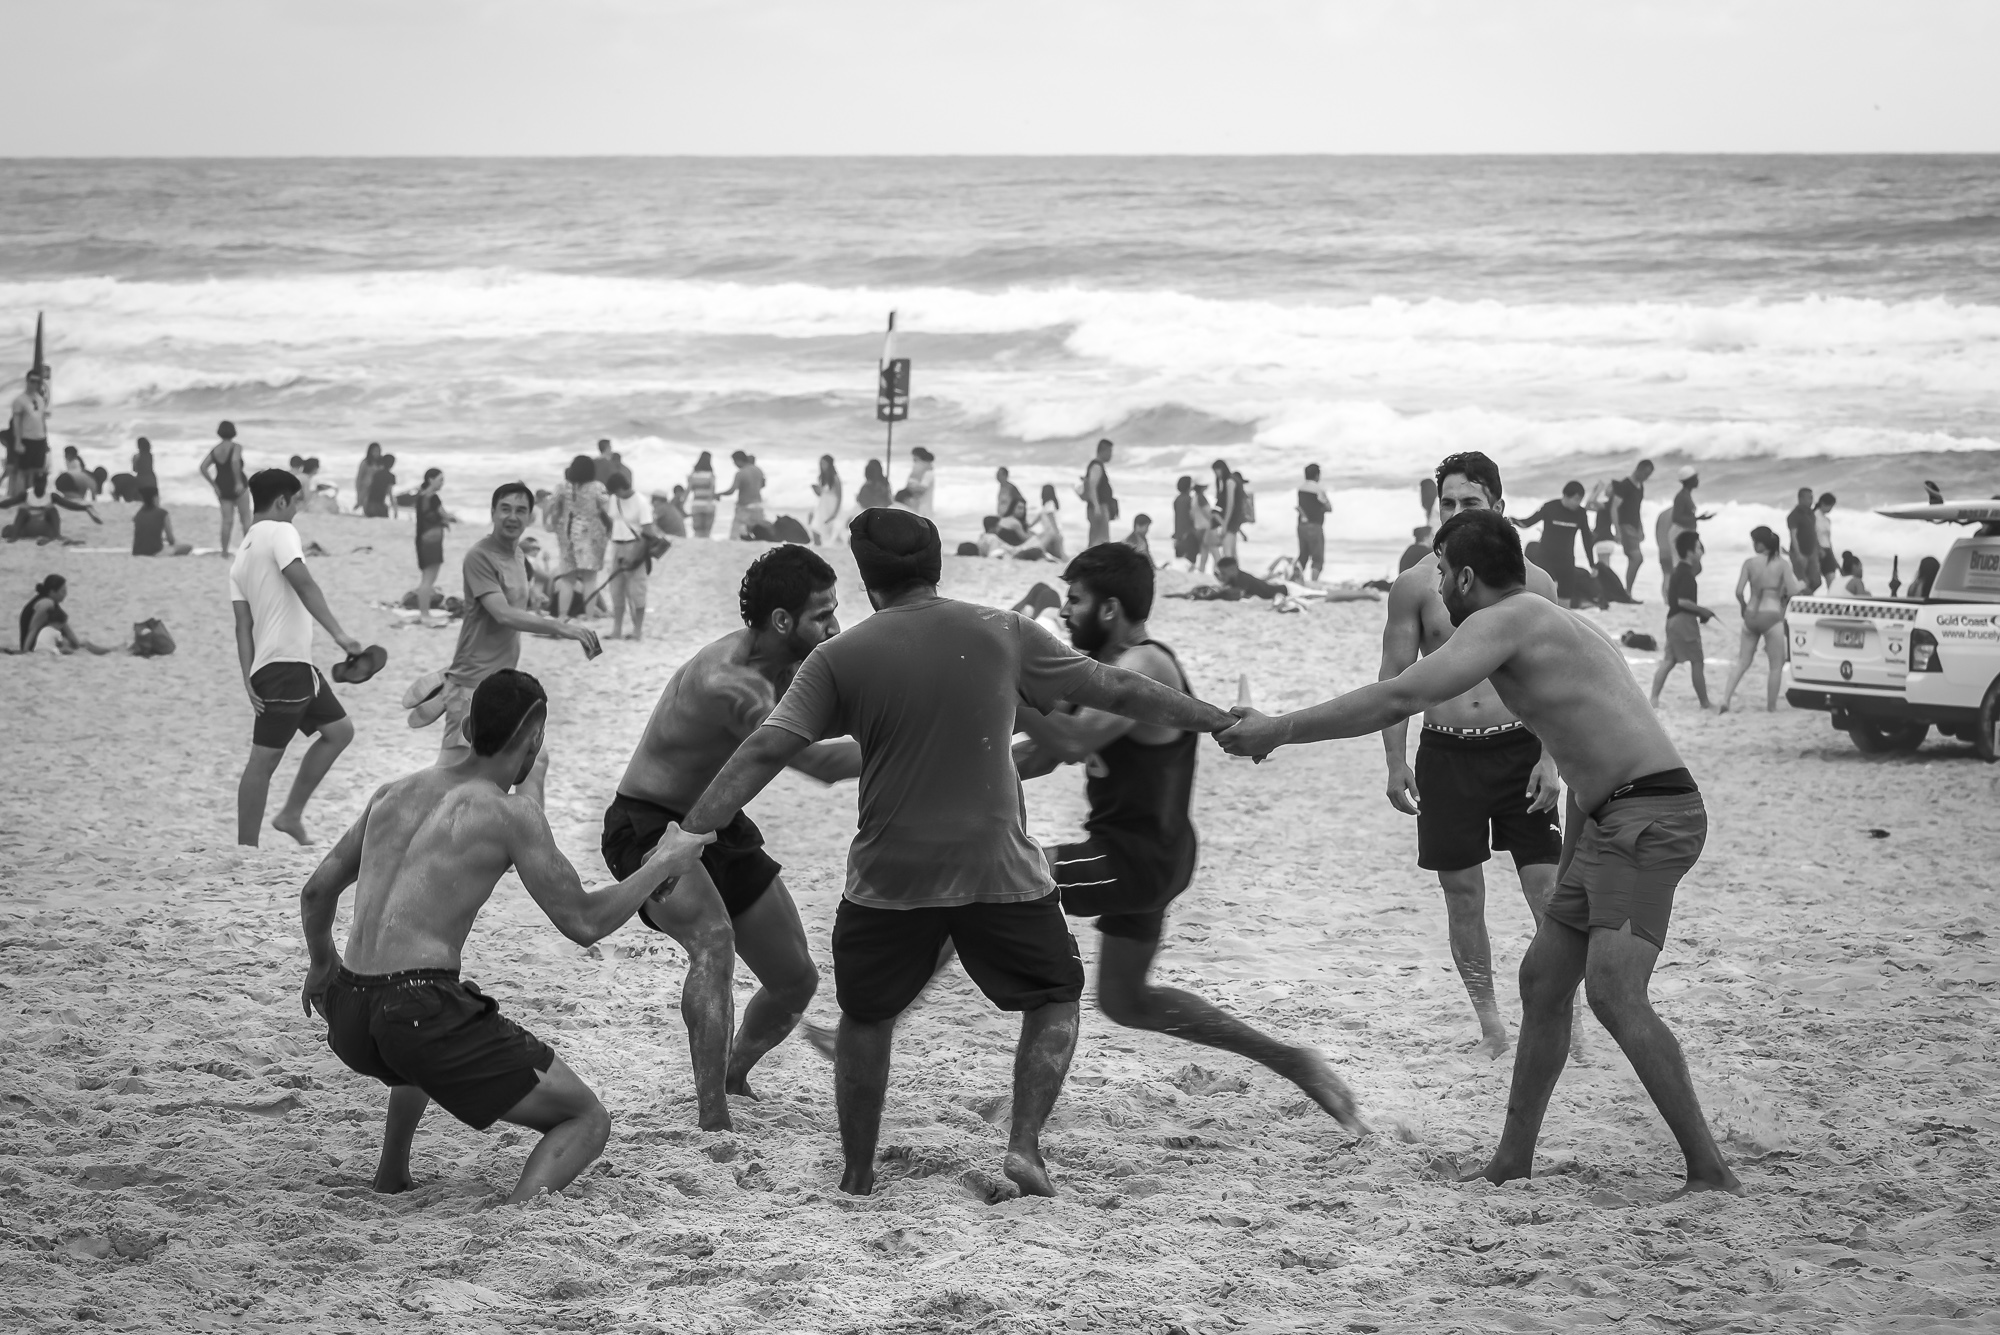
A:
1890,670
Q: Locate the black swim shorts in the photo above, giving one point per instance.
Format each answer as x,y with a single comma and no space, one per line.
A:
1627,860
296,699
34,454
424,1027
1021,955
1094,880
1468,783
736,861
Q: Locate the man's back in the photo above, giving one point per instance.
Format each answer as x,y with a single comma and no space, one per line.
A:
1572,686
929,690
710,704
433,846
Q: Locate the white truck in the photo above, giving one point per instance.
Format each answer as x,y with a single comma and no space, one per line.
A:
1889,670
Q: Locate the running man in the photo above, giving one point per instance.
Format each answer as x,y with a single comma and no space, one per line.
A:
1478,766
276,600
929,688
734,903
495,573
424,858
1607,922
1139,849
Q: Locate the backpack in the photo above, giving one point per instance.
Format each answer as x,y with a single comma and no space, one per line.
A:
151,639
1247,501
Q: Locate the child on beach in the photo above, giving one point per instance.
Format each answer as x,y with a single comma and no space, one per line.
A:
1684,619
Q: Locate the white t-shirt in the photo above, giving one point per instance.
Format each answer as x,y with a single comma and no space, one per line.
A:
629,514
281,628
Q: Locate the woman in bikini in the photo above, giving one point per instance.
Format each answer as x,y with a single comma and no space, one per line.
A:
1765,585
223,468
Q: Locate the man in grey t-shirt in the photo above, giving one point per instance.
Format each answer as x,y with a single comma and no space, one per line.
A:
496,613
929,688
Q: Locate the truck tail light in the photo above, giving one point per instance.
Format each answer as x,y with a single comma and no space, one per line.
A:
1923,652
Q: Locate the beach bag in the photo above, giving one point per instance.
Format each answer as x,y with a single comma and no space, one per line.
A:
1247,501
968,549
1639,639
1111,508
151,639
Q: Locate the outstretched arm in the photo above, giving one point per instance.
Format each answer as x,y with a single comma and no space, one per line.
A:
581,915
1134,695
318,899
533,623
1470,656
744,775
1402,637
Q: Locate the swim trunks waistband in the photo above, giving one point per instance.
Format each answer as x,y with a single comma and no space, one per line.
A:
1665,783
399,978
1493,730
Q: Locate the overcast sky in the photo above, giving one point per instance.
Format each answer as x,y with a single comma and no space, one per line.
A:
283,77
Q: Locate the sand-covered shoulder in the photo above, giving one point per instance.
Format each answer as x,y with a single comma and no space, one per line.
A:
179,1151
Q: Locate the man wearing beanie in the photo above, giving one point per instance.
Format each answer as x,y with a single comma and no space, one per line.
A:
929,687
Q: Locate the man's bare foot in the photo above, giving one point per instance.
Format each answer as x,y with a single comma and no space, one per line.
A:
1029,1173
716,1121
295,826
1727,1182
821,1037
988,1188
390,1181
1311,1072
1497,1172
1493,1045
858,1181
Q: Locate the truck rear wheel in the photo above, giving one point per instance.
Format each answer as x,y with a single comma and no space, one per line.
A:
1986,728
1878,738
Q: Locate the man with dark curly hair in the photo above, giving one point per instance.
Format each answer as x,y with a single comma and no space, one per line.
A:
735,903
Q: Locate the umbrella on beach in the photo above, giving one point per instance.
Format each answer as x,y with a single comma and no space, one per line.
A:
39,366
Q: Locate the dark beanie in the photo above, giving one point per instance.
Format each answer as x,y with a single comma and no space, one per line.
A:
894,548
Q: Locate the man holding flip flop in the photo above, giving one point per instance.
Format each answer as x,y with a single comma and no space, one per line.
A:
276,600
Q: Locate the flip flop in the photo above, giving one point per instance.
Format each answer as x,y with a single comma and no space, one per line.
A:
425,699
357,668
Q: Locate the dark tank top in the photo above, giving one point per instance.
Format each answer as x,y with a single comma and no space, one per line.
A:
149,528
1139,798
56,617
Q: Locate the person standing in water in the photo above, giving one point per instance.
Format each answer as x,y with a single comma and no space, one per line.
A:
1636,823
1770,584
1313,505
223,470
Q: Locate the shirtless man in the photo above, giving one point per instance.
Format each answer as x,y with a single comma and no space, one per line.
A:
1477,765
1139,851
424,857
1645,826
734,903
929,687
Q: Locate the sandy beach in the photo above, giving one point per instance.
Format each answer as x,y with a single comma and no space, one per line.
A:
180,1151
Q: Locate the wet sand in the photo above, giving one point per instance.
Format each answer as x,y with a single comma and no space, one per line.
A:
179,1151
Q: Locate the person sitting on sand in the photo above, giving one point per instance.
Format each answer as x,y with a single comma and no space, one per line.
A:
1233,576
929,687
735,902
423,859
1140,539
76,480
1622,861
1610,585
45,622
276,600
153,528
991,544
1771,584
1685,618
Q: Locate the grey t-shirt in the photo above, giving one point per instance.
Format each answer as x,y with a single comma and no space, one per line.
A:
484,645
929,691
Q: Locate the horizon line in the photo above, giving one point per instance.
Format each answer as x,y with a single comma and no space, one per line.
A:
1487,155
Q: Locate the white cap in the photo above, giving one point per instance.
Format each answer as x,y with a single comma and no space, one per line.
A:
1688,471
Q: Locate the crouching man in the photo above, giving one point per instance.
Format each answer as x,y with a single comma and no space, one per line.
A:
425,857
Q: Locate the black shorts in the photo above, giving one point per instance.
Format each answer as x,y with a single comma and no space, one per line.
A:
296,699
1021,955
1095,880
1465,785
736,861
34,455
424,1027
